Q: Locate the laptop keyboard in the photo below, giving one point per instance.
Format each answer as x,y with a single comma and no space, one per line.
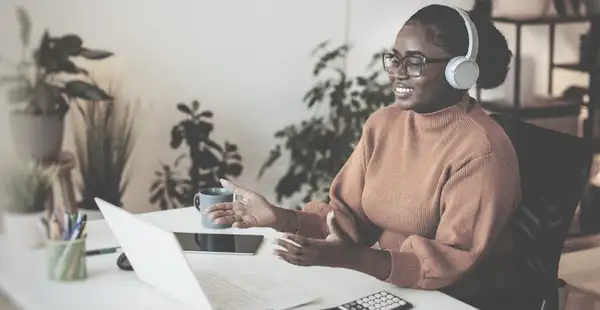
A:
225,294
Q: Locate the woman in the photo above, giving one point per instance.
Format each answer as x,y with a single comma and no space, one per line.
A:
433,179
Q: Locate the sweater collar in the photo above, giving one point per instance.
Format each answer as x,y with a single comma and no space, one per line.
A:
442,118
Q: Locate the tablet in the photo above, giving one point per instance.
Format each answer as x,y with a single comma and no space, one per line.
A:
219,243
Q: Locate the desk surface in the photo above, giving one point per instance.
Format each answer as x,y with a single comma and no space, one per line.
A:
23,276
581,269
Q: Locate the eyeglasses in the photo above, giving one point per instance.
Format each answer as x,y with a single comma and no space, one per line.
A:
412,64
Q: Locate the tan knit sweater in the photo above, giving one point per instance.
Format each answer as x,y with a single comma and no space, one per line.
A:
436,191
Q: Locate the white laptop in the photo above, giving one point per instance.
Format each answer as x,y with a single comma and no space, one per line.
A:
159,261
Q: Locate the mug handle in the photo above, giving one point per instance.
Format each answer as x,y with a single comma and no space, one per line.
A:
197,202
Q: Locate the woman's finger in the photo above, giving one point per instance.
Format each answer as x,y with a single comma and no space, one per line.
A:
291,258
229,219
236,189
297,239
290,247
241,224
224,206
221,213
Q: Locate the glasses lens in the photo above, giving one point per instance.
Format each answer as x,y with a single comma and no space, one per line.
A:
391,63
413,65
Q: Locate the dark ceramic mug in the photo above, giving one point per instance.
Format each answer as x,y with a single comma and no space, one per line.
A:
208,197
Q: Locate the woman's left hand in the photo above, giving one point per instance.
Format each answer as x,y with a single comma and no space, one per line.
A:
337,250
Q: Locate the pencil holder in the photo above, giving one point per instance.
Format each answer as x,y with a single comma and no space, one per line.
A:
66,260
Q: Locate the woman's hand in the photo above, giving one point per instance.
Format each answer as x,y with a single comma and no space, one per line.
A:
337,250
249,210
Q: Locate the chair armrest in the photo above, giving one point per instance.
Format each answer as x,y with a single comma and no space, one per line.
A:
563,293
561,296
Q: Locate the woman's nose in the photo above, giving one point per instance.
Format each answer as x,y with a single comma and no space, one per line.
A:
399,74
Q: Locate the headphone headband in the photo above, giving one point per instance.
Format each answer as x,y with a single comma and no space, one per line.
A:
472,34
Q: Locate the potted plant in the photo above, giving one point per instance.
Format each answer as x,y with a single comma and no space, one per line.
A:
42,86
27,187
207,161
318,147
105,134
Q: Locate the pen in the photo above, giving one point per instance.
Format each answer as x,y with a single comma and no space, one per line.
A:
102,251
68,224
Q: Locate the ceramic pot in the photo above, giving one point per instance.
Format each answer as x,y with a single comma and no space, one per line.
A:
37,136
24,231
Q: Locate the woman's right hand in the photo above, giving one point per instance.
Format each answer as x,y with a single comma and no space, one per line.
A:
248,210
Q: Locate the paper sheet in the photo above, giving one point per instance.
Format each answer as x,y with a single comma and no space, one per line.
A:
249,289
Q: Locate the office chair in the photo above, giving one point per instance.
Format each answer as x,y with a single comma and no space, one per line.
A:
554,170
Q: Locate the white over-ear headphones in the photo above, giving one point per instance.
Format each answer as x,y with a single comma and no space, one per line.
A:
462,71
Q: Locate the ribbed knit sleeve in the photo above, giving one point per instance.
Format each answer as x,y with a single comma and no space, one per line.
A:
345,198
475,204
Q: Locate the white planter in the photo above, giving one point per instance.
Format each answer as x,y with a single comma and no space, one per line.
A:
24,230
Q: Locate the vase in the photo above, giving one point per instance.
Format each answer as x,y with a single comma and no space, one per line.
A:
37,136
24,230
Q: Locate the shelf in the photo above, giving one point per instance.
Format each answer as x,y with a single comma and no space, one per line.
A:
543,20
539,108
576,67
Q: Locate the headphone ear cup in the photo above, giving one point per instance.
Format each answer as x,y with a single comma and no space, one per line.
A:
451,71
462,73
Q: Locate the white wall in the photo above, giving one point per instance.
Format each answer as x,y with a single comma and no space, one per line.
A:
248,61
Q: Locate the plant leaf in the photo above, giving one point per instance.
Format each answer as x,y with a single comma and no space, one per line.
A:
84,90
195,105
234,169
68,45
7,79
25,24
229,147
176,137
184,108
18,94
208,114
94,54
157,195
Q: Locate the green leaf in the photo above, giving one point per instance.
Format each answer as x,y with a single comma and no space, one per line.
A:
273,156
157,195
206,159
195,105
86,91
229,147
68,44
184,108
176,137
19,94
25,24
234,169
7,79
207,114
94,54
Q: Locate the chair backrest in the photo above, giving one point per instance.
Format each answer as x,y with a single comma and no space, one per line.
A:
554,170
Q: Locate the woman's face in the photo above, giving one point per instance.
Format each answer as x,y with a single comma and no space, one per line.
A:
424,89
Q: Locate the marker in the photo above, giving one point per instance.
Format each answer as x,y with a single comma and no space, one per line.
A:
102,251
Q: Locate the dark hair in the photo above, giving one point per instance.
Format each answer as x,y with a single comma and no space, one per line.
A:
448,32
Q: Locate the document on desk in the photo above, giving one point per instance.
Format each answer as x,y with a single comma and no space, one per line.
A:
245,289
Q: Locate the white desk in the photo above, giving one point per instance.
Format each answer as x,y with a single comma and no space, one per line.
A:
23,275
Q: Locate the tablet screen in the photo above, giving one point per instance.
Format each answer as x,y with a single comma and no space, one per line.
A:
219,243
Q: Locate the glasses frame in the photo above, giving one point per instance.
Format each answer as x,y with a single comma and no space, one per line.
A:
426,60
